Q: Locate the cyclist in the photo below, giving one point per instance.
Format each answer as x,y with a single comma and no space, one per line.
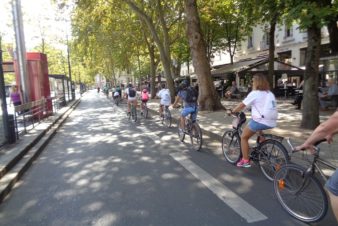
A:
130,94
189,96
116,95
144,98
326,130
165,101
263,114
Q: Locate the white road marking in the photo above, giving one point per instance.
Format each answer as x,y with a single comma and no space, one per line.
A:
239,205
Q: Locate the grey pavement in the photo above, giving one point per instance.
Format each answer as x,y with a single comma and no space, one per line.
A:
213,124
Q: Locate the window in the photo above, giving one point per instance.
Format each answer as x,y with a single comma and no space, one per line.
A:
288,32
250,42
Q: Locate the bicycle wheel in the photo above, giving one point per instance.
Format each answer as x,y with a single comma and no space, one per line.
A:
196,136
181,134
303,197
145,112
167,118
272,155
231,146
133,114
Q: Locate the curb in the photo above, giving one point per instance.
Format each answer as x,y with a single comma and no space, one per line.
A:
16,168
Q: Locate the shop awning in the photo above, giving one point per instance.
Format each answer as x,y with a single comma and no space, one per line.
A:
228,69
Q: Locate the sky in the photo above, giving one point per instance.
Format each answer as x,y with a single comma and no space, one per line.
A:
39,19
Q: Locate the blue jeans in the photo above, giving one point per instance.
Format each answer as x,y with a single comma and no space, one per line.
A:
332,183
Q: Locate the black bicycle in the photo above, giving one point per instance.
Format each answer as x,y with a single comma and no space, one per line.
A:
166,116
299,191
193,130
269,154
144,111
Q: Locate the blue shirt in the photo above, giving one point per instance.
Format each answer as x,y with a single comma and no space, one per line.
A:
183,95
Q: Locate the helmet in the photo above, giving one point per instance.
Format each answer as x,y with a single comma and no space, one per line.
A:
130,85
184,84
144,90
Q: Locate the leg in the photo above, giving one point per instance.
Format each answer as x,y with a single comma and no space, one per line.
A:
161,109
332,190
247,133
129,106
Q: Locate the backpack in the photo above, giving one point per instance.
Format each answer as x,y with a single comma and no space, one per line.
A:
131,92
145,96
191,95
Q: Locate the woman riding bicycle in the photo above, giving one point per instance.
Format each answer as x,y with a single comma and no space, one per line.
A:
165,101
263,113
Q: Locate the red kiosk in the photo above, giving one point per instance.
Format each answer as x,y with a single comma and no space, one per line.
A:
38,81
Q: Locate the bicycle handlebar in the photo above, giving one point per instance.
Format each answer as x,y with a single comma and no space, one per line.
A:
316,148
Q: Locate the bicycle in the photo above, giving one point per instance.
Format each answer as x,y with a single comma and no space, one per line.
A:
133,113
116,100
144,111
299,191
193,130
166,116
269,154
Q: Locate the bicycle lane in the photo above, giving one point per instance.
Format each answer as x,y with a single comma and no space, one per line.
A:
220,178
329,220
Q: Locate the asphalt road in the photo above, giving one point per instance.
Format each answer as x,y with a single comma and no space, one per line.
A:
101,169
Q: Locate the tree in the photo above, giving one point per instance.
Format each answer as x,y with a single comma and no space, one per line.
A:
162,45
208,98
311,15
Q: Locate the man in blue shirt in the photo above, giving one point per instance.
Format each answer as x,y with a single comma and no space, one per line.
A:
326,99
189,103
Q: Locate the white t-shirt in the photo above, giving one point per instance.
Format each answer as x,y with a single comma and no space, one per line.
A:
164,94
127,92
263,107
116,94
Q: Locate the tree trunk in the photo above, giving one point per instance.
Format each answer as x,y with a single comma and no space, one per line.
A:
333,31
310,114
208,98
272,51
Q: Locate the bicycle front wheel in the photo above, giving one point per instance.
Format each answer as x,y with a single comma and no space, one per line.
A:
231,146
196,137
167,118
301,195
272,155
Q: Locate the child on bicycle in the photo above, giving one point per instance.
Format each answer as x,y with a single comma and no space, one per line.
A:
165,101
131,96
144,99
263,113
189,96
326,130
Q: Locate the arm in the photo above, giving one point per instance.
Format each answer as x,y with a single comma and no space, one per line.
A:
324,131
238,108
177,99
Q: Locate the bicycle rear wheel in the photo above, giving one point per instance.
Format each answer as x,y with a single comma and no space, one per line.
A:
272,155
196,136
167,118
231,146
145,112
303,197
133,113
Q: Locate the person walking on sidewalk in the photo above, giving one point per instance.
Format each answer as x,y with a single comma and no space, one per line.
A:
164,94
189,96
263,113
15,96
326,130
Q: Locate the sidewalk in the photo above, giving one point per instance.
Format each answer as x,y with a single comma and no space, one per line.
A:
16,158
214,124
